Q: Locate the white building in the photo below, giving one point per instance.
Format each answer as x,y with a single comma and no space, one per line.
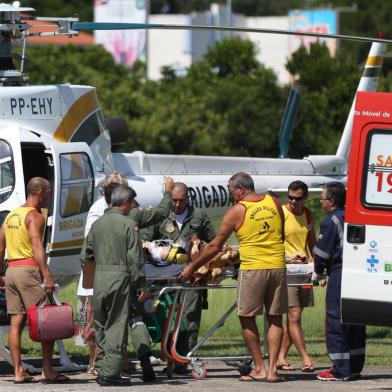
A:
179,48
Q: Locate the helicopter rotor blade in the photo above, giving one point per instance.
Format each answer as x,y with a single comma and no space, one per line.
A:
147,26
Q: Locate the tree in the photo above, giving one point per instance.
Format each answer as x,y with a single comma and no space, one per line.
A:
328,87
62,8
227,104
366,18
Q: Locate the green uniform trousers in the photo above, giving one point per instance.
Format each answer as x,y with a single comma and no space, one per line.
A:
187,338
111,303
140,336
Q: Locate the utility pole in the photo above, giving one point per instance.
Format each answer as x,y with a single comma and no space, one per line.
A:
229,12
148,10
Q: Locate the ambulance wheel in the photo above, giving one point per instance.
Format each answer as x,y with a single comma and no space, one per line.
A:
199,372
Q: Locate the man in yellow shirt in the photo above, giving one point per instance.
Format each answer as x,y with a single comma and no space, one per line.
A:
27,279
257,220
299,241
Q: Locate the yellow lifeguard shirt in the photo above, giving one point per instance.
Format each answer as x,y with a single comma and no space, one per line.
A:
296,230
16,235
260,236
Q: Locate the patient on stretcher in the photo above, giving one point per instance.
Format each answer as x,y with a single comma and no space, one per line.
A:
166,252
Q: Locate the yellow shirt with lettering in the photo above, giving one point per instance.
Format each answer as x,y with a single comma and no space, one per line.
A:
260,236
296,229
17,237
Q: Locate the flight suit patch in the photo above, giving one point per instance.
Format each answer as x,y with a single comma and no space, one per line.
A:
170,228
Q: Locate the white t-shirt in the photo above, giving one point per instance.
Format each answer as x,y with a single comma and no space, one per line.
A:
95,211
181,217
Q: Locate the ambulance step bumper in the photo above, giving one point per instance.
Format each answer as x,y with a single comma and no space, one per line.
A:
365,312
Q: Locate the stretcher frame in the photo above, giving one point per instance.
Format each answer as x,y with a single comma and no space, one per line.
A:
175,314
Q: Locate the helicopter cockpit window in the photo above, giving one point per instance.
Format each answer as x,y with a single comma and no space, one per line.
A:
77,184
7,173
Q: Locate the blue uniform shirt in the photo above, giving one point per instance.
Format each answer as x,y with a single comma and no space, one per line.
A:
329,246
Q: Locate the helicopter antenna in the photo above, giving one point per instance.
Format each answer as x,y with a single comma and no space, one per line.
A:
23,58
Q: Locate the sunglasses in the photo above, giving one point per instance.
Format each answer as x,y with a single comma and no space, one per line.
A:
296,198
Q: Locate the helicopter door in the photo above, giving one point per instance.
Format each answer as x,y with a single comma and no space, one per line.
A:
12,187
73,194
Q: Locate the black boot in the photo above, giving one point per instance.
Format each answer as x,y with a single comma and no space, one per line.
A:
105,381
147,369
181,369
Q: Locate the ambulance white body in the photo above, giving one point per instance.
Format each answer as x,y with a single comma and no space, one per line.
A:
367,251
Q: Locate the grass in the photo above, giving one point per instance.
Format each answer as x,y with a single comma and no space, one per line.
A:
227,340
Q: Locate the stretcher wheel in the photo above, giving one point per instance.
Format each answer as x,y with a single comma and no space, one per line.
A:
245,370
199,372
245,366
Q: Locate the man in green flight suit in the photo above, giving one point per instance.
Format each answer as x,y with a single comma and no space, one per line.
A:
183,222
143,218
139,333
114,244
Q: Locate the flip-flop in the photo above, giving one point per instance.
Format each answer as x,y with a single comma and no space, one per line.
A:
251,378
308,369
27,380
275,380
59,379
285,367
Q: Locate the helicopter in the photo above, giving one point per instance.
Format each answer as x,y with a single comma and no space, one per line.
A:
59,132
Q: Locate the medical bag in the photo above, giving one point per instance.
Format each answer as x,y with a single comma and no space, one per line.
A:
51,321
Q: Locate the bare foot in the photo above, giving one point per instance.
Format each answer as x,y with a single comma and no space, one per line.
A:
49,375
249,377
24,378
253,376
285,366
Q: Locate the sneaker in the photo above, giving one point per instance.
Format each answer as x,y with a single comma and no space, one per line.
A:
155,360
328,376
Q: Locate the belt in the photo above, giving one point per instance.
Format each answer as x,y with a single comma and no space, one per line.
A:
29,262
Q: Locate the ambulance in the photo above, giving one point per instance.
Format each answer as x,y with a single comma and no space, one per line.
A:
367,248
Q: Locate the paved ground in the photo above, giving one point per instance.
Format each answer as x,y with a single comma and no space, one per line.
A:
220,378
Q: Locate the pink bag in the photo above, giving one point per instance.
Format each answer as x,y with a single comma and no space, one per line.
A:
50,322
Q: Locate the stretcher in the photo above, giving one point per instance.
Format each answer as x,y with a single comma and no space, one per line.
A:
163,280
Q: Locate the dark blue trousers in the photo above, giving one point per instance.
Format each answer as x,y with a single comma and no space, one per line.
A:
345,342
